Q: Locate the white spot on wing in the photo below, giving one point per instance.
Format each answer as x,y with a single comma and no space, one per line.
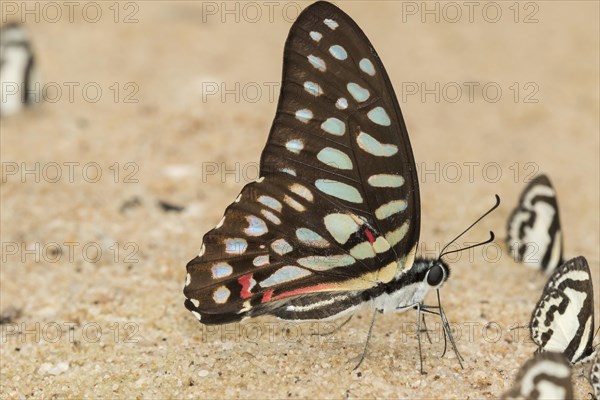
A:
246,306
386,180
295,146
394,237
341,103
334,126
221,270
281,247
311,238
259,261
372,146
332,24
301,191
293,203
271,217
284,274
221,295
324,263
379,116
389,209
359,93
338,52
304,115
362,251
381,245
367,66
317,62
202,250
256,226
340,226
335,158
235,246
313,88
316,36
288,171
270,202
340,190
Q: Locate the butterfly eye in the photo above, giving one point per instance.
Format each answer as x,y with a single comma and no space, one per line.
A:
435,276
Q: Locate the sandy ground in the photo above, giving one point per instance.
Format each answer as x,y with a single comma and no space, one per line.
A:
114,326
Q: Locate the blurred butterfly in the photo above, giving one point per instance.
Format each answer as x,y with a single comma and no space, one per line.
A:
333,222
563,319
545,376
17,70
595,377
534,232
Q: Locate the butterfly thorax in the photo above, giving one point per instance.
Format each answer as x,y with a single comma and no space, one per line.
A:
411,288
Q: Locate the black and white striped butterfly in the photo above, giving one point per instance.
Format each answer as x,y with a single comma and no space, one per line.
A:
595,377
17,70
333,222
534,232
545,376
563,319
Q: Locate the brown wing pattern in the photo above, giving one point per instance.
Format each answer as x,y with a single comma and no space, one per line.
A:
337,206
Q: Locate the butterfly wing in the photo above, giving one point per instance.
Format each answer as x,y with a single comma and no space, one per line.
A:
339,127
546,376
563,319
337,206
534,232
16,68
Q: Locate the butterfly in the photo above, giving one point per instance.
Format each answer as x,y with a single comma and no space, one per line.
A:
563,319
545,376
595,377
333,221
534,231
17,69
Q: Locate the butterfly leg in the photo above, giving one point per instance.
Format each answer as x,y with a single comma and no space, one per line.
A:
425,310
362,357
425,328
419,315
449,331
334,330
446,327
421,311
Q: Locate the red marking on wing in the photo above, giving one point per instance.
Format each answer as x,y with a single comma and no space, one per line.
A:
370,235
311,289
267,296
247,282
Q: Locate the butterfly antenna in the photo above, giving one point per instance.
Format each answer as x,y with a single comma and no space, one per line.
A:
491,239
470,226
